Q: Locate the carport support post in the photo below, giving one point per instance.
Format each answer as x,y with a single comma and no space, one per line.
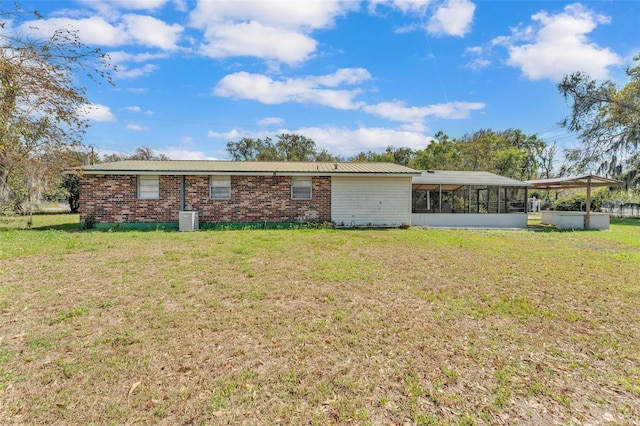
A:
587,218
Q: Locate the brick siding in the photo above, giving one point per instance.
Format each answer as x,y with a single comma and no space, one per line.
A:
114,199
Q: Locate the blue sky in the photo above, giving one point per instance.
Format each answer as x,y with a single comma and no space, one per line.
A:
353,76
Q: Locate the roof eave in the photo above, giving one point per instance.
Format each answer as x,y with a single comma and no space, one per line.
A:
242,173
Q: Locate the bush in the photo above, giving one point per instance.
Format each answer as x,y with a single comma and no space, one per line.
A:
89,223
576,202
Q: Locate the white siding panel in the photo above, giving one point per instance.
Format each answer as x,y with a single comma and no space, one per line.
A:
371,200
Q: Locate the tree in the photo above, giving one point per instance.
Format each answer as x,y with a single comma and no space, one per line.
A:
508,153
441,154
546,158
141,153
402,156
607,119
288,147
246,149
40,102
71,183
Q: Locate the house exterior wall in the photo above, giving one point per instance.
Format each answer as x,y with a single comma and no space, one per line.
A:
371,201
114,199
259,199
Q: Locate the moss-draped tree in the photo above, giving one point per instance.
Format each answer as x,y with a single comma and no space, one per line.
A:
41,102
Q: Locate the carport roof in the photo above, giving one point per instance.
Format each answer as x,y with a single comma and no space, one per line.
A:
447,177
574,182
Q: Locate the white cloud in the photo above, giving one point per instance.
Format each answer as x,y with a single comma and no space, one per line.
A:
454,17
271,30
255,39
152,32
93,30
112,8
342,141
124,71
137,109
181,5
557,45
236,134
183,154
125,4
117,57
120,60
270,121
406,6
96,112
136,127
399,112
128,29
448,17
312,90
303,15
479,60
478,64
348,142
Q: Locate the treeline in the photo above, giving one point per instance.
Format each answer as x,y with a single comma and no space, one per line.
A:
509,153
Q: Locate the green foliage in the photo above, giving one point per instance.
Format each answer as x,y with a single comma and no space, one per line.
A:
89,223
508,153
403,156
68,315
607,119
71,183
41,104
577,201
288,147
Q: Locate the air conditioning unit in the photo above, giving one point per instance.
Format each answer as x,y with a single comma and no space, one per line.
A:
188,221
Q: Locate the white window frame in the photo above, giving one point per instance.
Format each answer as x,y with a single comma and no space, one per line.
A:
219,187
148,187
301,187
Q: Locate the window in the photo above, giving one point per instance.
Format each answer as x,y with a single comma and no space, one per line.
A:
149,186
301,188
220,187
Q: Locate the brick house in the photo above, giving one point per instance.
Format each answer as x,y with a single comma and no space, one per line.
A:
155,192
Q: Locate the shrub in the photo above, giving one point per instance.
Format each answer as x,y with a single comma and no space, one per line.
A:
89,223
577,201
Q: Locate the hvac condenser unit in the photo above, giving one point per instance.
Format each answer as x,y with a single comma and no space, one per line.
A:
188,221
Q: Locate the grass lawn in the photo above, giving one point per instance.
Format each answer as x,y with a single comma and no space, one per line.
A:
380,327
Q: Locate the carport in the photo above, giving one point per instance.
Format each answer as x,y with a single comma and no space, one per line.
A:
568,219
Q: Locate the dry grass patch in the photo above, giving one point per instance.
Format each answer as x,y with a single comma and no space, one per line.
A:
320,327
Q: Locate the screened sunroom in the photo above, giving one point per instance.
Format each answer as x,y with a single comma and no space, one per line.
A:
468,199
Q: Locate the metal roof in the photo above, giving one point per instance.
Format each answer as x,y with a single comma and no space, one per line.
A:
447,177
246,167
574,182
